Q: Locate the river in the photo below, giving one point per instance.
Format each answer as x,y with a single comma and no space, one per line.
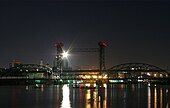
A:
66,96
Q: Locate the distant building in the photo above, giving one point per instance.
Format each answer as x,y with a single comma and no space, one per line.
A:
14,63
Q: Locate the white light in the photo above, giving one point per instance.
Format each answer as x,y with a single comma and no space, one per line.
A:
66,99
148,74
94,76
100,77
87,77
105,76
65,54
132,68
140,80
104,85
87,85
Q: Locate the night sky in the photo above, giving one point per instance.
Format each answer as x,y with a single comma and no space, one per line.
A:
136,31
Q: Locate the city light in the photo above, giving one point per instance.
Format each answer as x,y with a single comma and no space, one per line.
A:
148,74
105,77
94,76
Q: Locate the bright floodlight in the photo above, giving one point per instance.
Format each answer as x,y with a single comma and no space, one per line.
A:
65,54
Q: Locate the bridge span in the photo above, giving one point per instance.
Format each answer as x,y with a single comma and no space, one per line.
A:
129,72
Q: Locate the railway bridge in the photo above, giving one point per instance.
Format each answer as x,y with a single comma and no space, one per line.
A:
122,73
128,72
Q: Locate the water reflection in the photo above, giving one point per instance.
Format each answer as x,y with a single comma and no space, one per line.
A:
161,98
66,96
155,98
168,103
95,98
149,97
66,99
158,97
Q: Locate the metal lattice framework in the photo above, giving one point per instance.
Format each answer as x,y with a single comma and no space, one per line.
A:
136,66
140,69
32,67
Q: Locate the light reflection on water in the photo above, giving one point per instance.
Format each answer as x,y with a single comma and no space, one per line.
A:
155,98
66,100
95,98
149,97
65,96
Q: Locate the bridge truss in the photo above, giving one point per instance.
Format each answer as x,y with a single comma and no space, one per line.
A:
128,72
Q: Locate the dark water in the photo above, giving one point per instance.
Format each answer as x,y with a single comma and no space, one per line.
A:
64,96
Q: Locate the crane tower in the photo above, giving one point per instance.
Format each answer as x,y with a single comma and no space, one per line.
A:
57,65
59,61
102,45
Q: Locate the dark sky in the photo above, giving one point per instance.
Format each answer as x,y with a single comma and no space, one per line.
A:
136,31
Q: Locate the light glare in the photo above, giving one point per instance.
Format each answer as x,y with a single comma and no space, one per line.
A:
65,54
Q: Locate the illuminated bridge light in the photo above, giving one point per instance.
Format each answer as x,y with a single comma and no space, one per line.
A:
105,77
87,85
161,75
100,77
87,76
148,74
115,81
94,76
